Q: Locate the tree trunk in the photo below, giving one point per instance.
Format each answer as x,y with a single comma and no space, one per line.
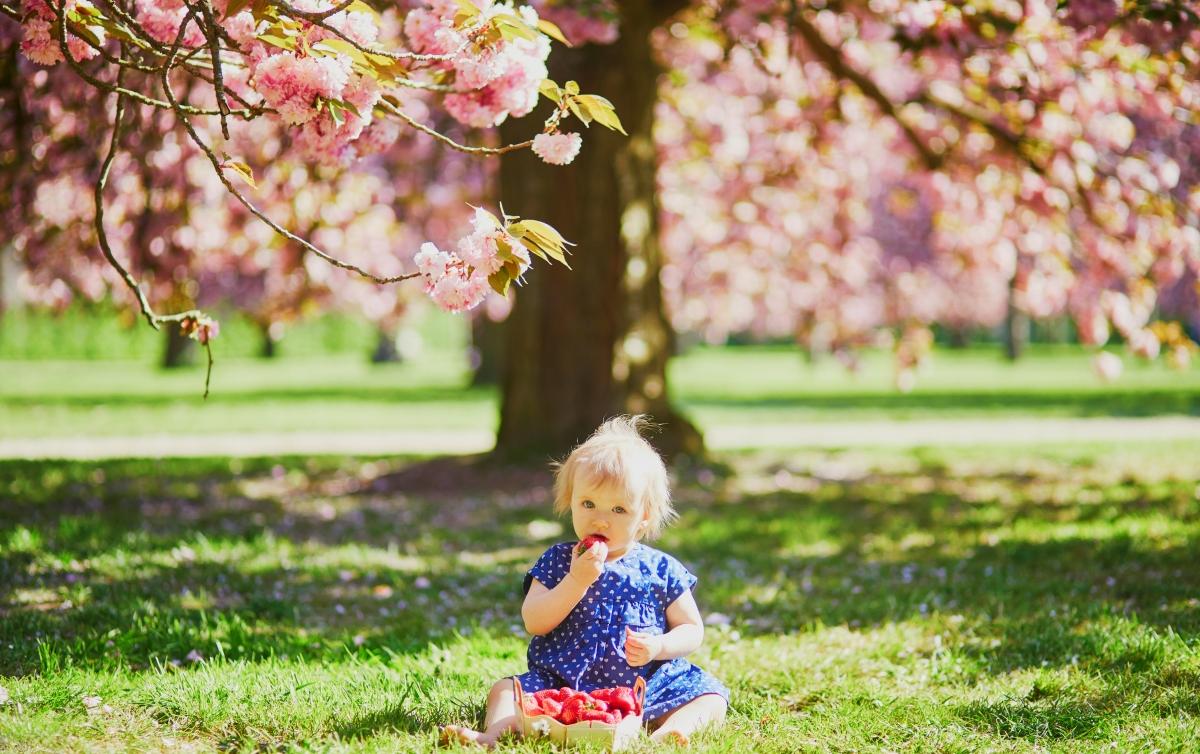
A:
591,342
960,337
1016,326
487,345
385,347
267,343
177,348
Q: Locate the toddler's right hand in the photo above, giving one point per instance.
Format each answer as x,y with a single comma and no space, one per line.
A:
588,567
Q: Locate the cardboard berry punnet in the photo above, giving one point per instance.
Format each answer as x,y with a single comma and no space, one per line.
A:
544,717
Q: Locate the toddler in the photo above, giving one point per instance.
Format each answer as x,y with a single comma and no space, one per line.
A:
618,610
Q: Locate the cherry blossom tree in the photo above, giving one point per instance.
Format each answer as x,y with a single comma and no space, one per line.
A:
217,81
844,172
849,173
889,165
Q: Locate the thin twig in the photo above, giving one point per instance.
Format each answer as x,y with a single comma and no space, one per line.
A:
214,47
318,19
391,107
61,36
212,158
155,320
832,59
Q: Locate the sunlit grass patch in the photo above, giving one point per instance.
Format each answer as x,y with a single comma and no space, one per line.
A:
924,601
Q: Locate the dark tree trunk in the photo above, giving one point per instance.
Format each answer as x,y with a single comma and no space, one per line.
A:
487,348
1016,326
590,342
267,343
960,337
177,348
385,348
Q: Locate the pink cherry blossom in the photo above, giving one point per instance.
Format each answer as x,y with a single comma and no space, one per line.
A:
557,149
292,84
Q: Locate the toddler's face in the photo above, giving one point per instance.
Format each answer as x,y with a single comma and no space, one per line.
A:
604,510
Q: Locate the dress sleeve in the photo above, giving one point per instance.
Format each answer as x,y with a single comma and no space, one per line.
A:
551,568
678,580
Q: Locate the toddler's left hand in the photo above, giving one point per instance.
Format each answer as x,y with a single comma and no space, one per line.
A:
641,649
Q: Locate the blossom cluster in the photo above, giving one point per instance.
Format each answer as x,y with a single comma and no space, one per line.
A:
305,89
493,78
40,41
556,148
459,280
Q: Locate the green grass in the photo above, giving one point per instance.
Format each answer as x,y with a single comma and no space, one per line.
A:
735,386
928,601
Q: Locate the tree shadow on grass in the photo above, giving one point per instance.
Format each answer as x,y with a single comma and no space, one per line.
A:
1000,549
133,563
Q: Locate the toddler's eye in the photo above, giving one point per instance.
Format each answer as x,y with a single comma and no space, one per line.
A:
588,504
619,509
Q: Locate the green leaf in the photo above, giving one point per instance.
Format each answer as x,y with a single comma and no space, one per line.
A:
601,110
551,30
235,7
572,87
542,239
500,280
362,7
511,27
117,31
264,10
242,170
467,9
86,9
285,43
81,29
550,91
337,112
579,113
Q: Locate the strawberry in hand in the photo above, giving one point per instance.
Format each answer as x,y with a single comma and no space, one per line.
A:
586,543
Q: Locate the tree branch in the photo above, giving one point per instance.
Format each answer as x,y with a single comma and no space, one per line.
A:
212,158
837,65
393,108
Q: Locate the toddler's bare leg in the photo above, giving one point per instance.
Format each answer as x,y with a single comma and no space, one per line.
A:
680,724
501,717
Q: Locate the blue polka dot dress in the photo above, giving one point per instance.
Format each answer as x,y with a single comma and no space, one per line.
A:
587,650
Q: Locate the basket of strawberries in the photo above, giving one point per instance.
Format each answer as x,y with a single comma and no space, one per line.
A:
611,717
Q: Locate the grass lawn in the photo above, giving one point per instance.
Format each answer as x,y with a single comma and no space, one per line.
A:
718,387
929,601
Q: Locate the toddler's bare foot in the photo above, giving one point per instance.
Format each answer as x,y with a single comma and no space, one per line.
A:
457,734
671,737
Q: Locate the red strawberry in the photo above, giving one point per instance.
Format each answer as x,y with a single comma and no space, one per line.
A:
597,715
552,707
586,543
629,701
573,711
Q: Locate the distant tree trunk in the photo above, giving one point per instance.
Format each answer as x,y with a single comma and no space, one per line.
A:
8,276
267,342
960,337
177,348
385,347
487,343
1016,325
590,342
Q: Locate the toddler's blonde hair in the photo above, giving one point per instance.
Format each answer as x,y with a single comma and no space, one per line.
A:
617,454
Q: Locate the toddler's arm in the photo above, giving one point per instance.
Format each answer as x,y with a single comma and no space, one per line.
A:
544,608
684,637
